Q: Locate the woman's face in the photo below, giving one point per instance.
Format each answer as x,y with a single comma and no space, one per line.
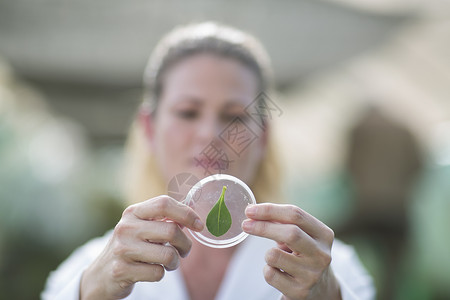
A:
195,128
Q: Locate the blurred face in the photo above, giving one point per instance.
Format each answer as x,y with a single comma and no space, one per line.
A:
193,129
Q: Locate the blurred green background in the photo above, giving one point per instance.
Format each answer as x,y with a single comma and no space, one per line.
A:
364,135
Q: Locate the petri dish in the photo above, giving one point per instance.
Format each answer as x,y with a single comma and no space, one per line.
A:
205,194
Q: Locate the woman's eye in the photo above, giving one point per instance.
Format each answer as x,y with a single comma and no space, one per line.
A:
231,117
188,114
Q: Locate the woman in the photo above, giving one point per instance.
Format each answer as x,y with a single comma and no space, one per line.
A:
198,80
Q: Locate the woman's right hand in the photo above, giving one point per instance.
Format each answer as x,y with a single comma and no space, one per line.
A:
147,241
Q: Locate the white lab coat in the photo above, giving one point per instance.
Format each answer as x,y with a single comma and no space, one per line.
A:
243,279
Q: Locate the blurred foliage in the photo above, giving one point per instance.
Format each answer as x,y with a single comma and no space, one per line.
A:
56,192
429,265
42,223
424,267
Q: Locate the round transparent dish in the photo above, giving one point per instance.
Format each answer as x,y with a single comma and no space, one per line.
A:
205,194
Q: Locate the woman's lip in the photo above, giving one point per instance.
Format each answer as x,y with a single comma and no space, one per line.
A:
211,165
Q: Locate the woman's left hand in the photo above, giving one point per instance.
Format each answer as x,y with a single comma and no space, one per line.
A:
300,266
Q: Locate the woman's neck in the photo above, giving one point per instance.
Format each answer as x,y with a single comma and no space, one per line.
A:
204,269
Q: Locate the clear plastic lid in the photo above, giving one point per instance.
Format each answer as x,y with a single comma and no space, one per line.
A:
205,194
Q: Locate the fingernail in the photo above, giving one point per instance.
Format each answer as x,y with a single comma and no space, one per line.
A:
250,210
247,225
198,224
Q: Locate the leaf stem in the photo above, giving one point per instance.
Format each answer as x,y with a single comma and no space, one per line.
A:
221,200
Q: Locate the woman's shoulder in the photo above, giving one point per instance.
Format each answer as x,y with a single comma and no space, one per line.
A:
354,279
344,256
75,264
87,252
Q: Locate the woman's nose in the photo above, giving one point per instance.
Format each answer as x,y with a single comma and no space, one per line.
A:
209,129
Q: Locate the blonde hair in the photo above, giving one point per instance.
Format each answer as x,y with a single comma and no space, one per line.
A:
143,179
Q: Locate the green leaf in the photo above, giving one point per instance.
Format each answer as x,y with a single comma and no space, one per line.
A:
219,221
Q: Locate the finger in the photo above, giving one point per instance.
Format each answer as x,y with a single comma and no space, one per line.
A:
147,272
149,253
162,207
162,232
290,214
284,283
291,235
128,273
284,247
296,266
